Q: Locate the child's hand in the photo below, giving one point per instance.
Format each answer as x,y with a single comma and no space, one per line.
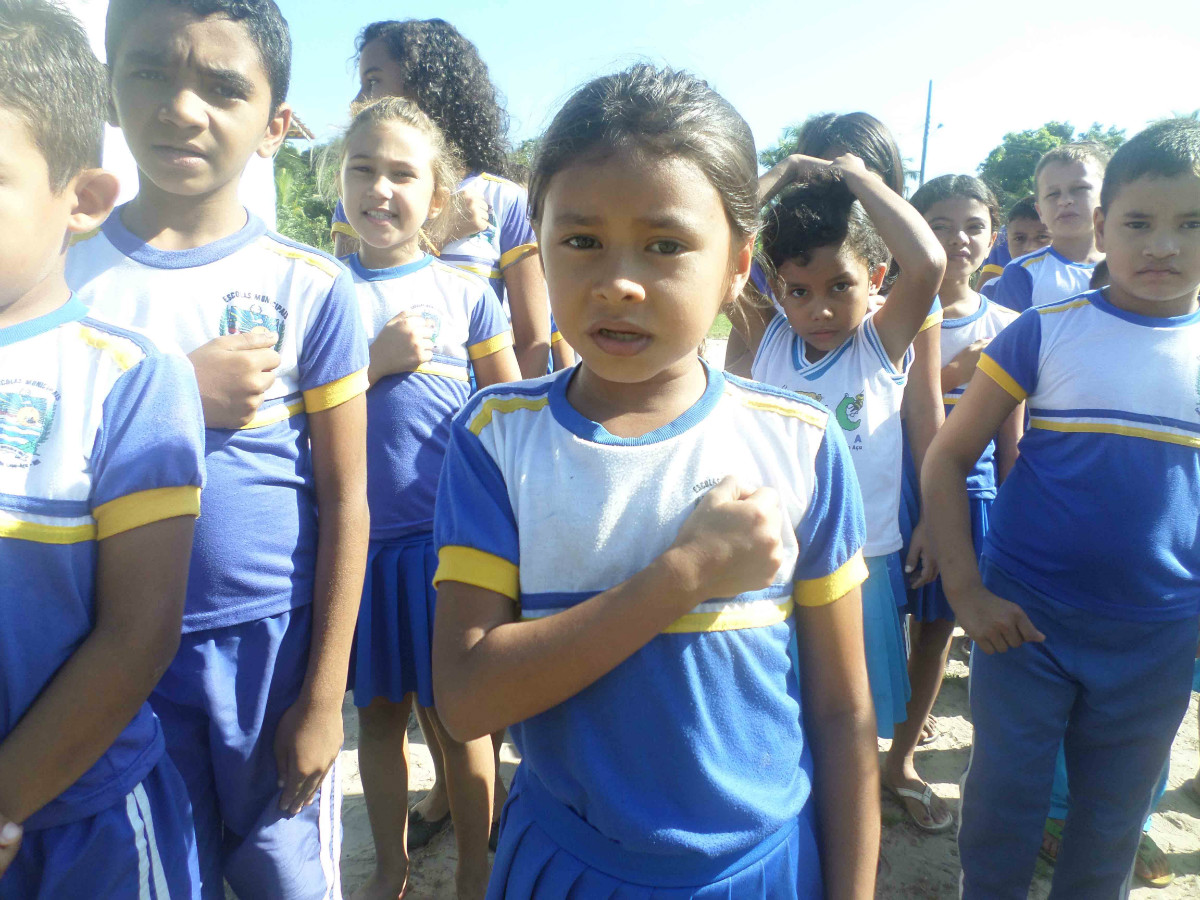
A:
10,842
467,212
405,342
307,742
849,164
233,373
802,168
992,622
732,540
920,553
967,359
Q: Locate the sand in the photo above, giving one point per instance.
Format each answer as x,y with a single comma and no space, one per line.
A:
915,865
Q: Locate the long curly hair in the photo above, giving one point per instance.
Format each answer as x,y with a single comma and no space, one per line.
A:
445,76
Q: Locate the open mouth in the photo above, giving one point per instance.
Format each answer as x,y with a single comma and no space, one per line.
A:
619,339
379,215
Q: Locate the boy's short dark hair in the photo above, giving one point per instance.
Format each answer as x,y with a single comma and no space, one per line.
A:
262,18
1164,150
1025,208
1078,151
50,79
822,212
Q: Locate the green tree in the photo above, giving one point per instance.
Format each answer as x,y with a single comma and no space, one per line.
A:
302,210
520,160
1008,169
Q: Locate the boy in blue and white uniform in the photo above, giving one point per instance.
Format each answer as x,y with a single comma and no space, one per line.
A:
1093,594
251,705
1023,233
101,462
1068,192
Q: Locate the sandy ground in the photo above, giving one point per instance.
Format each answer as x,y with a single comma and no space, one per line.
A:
914,865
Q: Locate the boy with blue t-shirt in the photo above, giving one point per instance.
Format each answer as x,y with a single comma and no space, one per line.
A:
101,461
251,705
1068,191
1023,232
1085,597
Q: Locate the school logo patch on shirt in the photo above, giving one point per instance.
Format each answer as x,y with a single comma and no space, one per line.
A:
848,410
26,413
431,315
246,312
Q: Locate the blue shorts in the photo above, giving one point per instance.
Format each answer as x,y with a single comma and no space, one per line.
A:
141,847
220,703
883,636
546,852
393,641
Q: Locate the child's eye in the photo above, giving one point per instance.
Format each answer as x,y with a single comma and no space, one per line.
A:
841,287
1052,195
362,170
1192,223
666,247
146,75
582,242
1137,226
228,92
798,292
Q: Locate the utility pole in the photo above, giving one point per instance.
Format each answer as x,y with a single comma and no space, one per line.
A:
925,141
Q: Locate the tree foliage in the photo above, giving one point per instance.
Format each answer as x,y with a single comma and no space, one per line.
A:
303,205
1008,169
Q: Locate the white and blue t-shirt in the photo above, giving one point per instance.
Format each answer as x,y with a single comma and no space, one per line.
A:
255,547
409,413
1041,277
508,238
864,391
1102,510
549,508
100,433
988,320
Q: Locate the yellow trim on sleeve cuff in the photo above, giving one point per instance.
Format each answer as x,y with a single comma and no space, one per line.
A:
516,254
823,591
555,337
327,396
343,228
993,269
934,318
135,510
477,568
492,345
992,369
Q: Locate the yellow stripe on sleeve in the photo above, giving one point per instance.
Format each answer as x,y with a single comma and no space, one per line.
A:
495,405
327,396
555,337
477,568
124,352
934,318
822,591
993,269
491,345
516,254
343,228
134,510
992,369
732,619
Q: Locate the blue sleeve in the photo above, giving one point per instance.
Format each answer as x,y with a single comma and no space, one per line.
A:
999,257
516,233
1012,357
1014,288
487,318
833,530
758,275
474,528
334,351
989,288
148,458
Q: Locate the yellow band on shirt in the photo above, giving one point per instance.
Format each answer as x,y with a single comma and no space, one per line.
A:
327,396
516,254
135,510
934,318
343,228
491,345
732,619
477,568
823,591
993,269
992,369
47,534
555,337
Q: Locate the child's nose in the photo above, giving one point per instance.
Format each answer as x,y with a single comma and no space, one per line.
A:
183,109
1163,243
618,281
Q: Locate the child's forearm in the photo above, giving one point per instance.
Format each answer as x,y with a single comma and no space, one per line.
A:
846,781
774,181
908,237
531,666
946,508
924,412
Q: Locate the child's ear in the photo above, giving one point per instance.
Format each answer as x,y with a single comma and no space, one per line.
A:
743,259
438,203
875,278
1098,225
992,242
95,192
277,128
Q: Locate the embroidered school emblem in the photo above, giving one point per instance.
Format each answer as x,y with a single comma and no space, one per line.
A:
430,315
848,410
26,413
246,312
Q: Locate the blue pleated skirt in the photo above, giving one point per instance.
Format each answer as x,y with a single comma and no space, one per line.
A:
543,847
929,602
883,634
392,654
